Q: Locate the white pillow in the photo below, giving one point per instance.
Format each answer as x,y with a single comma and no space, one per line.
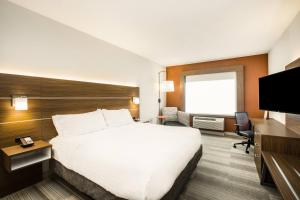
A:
78,124
116,118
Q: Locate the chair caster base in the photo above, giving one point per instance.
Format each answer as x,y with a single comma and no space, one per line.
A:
234,146
247,151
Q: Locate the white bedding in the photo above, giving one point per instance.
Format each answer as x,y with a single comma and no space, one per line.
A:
139,161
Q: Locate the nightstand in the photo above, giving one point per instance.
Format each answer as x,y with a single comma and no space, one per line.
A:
16,157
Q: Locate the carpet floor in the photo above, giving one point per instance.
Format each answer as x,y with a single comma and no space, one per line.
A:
223,173
226,173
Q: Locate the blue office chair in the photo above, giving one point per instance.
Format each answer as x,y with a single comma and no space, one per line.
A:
244,128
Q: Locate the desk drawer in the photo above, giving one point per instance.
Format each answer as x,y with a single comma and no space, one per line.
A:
257,138
257,160
257,152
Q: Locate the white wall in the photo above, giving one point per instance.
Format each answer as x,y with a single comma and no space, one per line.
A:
31,44
286,50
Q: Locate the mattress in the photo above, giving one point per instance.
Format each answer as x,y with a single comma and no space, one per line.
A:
139,161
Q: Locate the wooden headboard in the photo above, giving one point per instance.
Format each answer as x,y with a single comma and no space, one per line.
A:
47,97
292,120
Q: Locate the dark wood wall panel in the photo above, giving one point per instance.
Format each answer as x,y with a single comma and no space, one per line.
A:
48,130
62,88
9,131
48,97
8,114
74,106
46,87
20,85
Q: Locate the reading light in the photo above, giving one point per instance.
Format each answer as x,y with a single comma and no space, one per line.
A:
167,86
136,100
164,86
20,102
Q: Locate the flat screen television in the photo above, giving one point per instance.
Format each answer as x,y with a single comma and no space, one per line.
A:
280,92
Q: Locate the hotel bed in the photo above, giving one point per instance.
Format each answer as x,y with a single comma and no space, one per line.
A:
137,161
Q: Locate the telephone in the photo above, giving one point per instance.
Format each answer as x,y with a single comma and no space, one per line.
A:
24,141
136,119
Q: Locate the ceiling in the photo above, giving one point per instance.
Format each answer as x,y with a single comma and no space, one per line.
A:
172,32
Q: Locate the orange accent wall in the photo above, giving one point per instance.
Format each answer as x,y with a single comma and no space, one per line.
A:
254,67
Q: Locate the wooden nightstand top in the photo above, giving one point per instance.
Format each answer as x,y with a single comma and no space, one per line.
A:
17,149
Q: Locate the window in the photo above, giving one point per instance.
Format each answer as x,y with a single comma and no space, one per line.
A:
214,94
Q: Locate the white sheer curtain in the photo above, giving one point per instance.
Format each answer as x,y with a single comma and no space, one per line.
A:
214,94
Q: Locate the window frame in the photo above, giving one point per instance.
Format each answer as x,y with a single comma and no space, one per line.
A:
239,69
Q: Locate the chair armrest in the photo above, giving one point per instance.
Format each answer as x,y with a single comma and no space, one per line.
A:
170,113
237,128
184,118
238,125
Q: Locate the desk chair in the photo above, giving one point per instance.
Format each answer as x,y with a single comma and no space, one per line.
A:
244,128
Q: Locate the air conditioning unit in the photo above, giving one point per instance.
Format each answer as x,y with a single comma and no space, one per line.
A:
208,123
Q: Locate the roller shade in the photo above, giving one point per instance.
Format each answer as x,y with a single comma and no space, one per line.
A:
213,94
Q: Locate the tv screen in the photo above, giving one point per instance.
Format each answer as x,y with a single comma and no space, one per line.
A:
280,92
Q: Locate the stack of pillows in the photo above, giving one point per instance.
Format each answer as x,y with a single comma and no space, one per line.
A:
78,124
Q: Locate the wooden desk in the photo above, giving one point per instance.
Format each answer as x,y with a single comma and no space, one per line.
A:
272,136
285,170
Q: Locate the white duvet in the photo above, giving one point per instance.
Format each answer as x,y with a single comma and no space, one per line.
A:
139,161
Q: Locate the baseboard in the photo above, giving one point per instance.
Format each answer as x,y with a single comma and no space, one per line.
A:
209,132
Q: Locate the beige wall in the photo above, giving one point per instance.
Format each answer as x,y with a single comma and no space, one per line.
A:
286,50
31,44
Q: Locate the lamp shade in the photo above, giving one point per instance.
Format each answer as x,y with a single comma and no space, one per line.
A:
20,103
167,86
136,100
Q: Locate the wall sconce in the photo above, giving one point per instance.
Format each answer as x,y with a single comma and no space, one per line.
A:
20,102
136,100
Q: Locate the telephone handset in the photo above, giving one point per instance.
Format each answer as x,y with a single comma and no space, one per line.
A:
24,141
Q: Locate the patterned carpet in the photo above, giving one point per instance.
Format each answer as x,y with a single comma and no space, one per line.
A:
223,173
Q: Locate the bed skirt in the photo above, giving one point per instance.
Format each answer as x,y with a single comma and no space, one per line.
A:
95,191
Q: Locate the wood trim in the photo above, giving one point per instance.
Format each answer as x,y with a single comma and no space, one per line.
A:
70,98
295,63
239,69
12,155
284,169
17,149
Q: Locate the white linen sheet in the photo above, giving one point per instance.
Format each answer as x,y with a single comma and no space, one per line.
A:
139,161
